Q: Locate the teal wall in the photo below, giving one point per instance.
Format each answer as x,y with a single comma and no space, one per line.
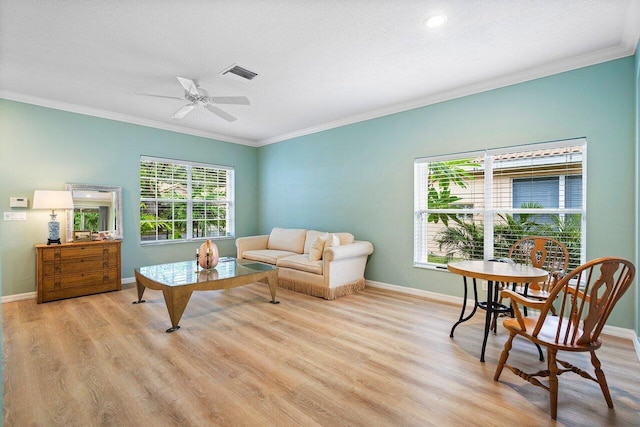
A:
359,178
637,231
43,148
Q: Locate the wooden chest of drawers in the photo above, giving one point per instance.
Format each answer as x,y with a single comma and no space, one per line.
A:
76,269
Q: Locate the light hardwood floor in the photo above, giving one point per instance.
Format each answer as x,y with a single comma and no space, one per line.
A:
377,358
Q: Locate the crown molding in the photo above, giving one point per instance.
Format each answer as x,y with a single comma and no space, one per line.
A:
627,47
593,58
104,114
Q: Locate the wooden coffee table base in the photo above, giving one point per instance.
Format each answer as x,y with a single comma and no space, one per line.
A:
177,297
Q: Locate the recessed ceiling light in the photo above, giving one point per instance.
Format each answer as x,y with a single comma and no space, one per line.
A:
436,21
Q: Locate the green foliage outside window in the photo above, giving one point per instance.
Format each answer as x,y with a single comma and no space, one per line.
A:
464,239
441,176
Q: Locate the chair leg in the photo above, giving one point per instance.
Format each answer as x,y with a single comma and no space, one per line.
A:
601,379
494,323
553,381
504,356
540,352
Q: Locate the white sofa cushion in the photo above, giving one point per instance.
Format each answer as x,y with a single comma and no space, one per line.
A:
266,255
287,239
300,262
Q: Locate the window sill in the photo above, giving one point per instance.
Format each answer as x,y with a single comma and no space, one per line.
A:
430,267
173,242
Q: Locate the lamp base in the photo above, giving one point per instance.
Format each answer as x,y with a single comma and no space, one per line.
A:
54,230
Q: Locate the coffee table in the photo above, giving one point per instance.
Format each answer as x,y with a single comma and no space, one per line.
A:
178,280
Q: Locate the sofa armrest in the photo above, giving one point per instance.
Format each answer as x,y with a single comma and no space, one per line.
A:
355,249
251,243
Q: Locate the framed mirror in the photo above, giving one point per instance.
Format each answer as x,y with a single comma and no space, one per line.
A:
96,208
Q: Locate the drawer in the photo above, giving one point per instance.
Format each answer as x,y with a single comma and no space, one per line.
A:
82,265
58,294
83,279
88,251
84,284
106,265
75,252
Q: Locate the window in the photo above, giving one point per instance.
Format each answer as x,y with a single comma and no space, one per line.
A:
476,205
182,200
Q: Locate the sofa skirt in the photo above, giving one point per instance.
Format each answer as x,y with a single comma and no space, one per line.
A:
321,291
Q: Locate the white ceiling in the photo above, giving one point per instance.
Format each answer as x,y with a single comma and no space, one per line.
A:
320,63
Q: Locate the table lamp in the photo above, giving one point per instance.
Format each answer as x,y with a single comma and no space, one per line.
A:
45,199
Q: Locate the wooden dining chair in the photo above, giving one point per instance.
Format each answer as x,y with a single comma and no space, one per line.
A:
586,297
546,253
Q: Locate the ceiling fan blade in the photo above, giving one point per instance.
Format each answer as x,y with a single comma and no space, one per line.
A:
183,111
238,100
189,85
160,96
218,112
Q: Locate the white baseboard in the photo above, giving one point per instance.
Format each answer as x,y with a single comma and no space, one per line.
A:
32,295
613,331
19,297
449,299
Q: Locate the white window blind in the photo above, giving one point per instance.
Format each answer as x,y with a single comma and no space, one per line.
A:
181,200
476,205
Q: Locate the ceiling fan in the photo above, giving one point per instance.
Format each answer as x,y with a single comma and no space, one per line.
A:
199,97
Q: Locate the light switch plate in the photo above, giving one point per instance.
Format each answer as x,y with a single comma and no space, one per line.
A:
15,216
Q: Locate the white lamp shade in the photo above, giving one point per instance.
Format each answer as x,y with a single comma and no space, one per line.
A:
45,199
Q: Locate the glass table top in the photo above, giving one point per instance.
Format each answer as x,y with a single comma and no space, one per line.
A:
184,272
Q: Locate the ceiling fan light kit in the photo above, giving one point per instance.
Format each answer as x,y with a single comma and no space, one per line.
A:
199,97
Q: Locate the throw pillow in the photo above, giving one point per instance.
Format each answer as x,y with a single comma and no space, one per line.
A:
332,240
315,253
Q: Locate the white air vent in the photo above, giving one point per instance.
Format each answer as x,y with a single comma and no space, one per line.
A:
239,73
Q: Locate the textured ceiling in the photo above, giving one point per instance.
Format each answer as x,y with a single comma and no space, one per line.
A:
320,63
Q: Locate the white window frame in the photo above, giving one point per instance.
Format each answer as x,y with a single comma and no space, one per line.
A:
229,202
488,211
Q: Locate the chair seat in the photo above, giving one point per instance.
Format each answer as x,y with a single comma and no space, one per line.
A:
547,334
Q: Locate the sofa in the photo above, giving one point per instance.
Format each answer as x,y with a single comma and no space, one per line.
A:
317,263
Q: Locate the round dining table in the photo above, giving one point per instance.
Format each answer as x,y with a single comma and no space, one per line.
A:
494,272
